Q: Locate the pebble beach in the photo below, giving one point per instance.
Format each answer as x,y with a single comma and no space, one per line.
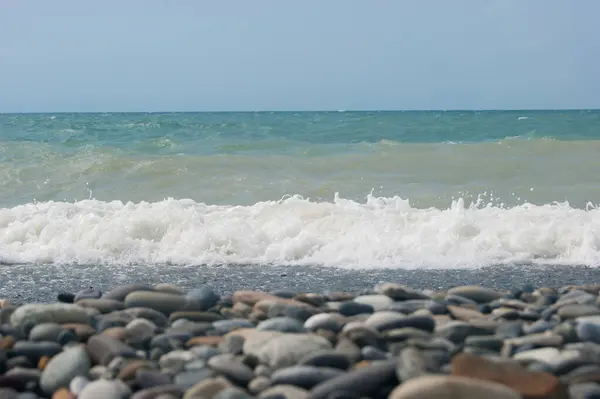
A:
388,341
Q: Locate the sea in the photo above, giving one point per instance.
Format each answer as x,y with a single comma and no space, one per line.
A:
423,190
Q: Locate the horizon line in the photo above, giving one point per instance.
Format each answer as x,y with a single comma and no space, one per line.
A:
303,111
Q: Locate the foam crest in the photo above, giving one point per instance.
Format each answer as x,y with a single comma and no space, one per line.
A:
381,232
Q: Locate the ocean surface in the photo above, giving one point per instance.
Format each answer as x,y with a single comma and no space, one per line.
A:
356,190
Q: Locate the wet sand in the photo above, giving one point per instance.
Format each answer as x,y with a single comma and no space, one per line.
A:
41,283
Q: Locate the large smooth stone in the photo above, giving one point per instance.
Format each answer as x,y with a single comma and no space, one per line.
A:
325,321
550,356
451,387
287,349
104,389
476,293
378,302
588,328
37,313
351,308
63,367
577,310
160,301
35,350
119,293
45,332
204,297
528,383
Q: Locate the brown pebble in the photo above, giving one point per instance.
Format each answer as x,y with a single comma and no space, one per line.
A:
262,300
265,304
211,340
532,384
362,363
43,362
250,297
340,296
311,299
83,331
464,314
451,387
63,393
119,333
7,342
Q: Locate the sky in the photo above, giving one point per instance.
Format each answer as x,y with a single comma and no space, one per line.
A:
241,55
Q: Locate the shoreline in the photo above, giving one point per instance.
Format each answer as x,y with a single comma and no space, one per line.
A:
41,283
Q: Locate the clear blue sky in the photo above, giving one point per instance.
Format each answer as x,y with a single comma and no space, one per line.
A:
193,55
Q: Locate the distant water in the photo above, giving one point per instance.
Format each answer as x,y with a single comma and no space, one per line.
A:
348,189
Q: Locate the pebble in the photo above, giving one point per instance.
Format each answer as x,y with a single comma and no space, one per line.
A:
228,366
476,293
452,387
325,321
45,332
527,383
351,308
104,389
377,302
159,301
281,324
399,292
204,297
87,293
395,342
287,349
284,391
64,367
577,310
362,381
33,314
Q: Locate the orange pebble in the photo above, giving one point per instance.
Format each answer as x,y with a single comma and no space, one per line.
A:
7,342
43,362
63,393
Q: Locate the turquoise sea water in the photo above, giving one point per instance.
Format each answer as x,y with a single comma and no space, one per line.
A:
350,189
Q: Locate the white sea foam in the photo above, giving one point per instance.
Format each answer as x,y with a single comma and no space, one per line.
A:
381,232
